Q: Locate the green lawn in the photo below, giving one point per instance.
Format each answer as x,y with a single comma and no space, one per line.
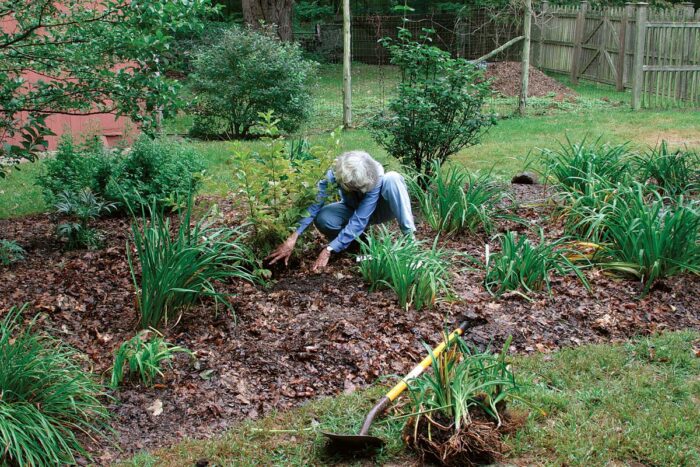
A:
597,405
504,148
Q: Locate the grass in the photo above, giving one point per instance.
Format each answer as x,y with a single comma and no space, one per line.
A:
504,148
600,405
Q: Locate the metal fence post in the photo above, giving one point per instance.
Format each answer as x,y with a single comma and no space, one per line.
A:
638,67
578,40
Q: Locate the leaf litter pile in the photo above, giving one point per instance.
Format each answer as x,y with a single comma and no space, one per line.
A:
308,335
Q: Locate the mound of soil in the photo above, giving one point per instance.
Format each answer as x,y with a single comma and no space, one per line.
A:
308,335
505,80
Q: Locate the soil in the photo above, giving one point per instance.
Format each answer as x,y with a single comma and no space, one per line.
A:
506,78
308,335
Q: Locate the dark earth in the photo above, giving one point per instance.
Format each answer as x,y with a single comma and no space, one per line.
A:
505,80
308,335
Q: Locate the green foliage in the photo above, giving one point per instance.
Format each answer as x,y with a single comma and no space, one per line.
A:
10,252
81,208
651,238
671,172
278,183
312,12
245,72
574,165
455,200
522,265
437,110
47,398
177,271
88,42
155,169
418,275
463,379
143,356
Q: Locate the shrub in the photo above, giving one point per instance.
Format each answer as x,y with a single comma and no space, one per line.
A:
455,200
672,172
277,184
176,272
155,169
81,207
246,72
77,167
143,356
416,274
652,239
10,252
438,106
574,165
47,398
520,264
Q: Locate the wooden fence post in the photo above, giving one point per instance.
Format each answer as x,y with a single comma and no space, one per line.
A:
525,60
347,76
688,9
578,40
638,67
540,29
622,53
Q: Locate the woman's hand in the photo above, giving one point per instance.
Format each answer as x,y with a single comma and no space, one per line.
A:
284,251
321,261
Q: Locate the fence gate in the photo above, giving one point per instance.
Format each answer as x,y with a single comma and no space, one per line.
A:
671,70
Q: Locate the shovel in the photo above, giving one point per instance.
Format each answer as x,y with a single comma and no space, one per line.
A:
363,441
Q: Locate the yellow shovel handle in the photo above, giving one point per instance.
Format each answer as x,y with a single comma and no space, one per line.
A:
420,368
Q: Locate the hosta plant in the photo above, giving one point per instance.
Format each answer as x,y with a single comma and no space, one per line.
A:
143,357
452,199
172,272
81,208
671,172
524,267
10,252
418,274
48,402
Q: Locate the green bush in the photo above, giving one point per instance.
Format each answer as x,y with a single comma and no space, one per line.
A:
672,172
47,398
574,165
417,275
651,238
520,264
245,72
454,200
10,252
438,105
81,208
143,356
177,271
278,183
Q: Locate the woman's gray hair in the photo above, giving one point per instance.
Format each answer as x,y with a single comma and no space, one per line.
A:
357,171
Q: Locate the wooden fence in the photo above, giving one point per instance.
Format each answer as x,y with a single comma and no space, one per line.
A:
654,53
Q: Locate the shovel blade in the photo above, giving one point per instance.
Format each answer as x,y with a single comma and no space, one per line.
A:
353,443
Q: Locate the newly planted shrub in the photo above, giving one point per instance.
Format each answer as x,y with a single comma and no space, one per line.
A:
245,72
523,265
454,200
458,410
143,356
176,271
10,252
47,399
672,172
438,105
82,208
652,238
574,165
418,275
278,183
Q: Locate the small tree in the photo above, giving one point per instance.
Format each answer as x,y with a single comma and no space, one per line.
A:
438,108
246,72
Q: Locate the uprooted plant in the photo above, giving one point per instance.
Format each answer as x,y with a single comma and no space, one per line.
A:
458,410
418,275
176,271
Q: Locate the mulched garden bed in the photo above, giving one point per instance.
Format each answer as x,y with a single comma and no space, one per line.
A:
309,335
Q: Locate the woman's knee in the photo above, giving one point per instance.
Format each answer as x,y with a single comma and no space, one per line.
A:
327,221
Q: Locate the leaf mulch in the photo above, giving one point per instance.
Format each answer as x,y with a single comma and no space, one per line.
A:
308,335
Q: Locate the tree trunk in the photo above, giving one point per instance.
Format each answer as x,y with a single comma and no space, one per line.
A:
270,12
